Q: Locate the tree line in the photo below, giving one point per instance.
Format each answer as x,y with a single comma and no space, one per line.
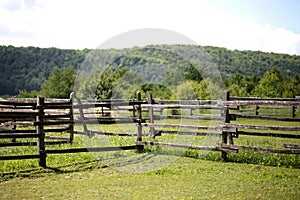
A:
27,71
112,84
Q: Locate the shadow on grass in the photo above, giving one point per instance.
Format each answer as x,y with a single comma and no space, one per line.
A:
265,159
41,172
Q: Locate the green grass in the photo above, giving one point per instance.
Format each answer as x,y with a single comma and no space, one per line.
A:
186,178
156,173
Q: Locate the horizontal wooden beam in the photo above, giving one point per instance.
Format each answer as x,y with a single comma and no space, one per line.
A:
266,118
274,128
258,149
262,99
21,157
292,146
217,128
280,135
19,136
186,146
257,102
159,132
159,106
18,144
91,149
202,117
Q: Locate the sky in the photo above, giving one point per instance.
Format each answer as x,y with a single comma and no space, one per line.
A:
259,25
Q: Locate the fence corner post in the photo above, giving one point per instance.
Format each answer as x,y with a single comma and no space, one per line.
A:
226,97
40,131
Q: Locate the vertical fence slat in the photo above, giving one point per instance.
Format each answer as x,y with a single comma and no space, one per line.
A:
14,127
82,119
139,120
71,118
150,113
294,111
226,97
256,110
40,131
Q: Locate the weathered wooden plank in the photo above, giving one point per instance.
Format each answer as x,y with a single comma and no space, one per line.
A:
258,149
277,128
159,132
266,118
256,102
21,157
19,136
185,146
281,107
292,146
217,128
91,149
159,106
12,103
107,104
280,135
17,114
186,102
62,107
21,123
262,99
51,137
18,144
57,116
34,101
203,117
52,122
92,133
124,120
16,131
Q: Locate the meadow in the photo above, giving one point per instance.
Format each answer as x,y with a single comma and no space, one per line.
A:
182,174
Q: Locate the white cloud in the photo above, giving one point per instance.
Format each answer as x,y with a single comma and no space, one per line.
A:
87,24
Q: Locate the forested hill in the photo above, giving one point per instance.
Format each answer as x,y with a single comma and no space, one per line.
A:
26,68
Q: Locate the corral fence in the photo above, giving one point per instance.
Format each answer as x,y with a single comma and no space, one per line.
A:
154,119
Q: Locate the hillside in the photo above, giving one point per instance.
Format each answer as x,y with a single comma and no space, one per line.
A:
26,68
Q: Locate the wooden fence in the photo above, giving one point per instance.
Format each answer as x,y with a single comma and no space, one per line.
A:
43,116
36,119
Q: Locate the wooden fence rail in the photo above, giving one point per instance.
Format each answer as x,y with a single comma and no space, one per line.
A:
43,116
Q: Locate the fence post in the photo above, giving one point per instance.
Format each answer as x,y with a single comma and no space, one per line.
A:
71,118
133,111
139,121
293,111
14,127
40,131
256,110
82,119
161,109
226,97
150,113
191,112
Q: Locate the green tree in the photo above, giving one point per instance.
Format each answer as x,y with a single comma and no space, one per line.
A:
26,94
271,84
60,83
185,91
200,89
107,82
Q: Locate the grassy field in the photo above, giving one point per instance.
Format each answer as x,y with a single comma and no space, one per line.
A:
157,173
187,178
